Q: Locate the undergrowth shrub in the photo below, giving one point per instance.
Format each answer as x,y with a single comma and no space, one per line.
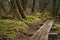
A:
43,16
58,27
37,14
31,20
9,28
46,16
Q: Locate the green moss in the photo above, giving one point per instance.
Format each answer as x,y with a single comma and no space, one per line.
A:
9,28
37,17
58,27
43,16
31,20
37,14
47,16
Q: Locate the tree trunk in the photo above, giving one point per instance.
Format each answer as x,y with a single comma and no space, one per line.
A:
14,9
24,4
57,9
18,2
44,6
54,8
33,7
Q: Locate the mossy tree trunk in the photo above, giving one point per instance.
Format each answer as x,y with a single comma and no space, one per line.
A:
20,9
17,8
2,7
14,9
3,10
24,4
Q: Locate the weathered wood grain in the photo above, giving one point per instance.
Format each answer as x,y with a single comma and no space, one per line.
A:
42,33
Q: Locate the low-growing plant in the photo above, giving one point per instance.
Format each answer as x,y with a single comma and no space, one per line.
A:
10,28
46,16
31,20
58,27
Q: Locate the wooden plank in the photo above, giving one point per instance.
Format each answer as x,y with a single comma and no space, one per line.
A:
53,33
42,33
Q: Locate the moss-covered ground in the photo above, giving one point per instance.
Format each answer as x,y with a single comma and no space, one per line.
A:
58,28
10,28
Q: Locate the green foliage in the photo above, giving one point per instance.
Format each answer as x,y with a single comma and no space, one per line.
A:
31,20
43,16
37,14
37,17
9,28
46,16
58,27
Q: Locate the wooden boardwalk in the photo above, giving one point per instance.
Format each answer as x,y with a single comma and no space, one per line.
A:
42,32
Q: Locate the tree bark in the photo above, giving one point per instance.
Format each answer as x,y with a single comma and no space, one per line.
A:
14,9
24,4
18,2
54,8
33,7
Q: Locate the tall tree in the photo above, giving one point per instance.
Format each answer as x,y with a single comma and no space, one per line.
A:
33,7
17,8
20,9
44,5
54,8
14,9
57,8
24,4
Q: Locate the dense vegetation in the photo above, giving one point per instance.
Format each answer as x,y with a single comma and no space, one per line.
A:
16,15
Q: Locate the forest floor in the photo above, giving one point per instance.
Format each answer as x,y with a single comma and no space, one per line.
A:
33,23
32,29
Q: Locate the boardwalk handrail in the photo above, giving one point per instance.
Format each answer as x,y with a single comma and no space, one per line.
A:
42,32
